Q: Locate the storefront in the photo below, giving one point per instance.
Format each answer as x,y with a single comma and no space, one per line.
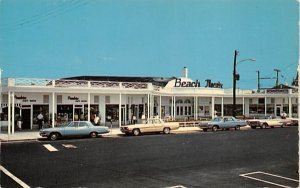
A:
123,99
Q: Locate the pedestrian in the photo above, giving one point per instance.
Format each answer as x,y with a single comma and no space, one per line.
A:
40,118
134,119
19,123
96,119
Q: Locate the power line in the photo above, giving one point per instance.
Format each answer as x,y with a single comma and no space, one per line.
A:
43,17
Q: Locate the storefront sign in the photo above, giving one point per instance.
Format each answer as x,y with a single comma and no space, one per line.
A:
76,99
213,85
20,98
24,99
179,83
73,98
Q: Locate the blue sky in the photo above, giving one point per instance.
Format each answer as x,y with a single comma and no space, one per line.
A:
62,38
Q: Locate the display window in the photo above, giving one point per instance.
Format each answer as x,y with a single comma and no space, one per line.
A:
64,114
37,109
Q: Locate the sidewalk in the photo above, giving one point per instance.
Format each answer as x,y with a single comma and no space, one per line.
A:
34,135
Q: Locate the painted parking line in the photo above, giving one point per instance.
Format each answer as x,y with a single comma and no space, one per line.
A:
20,182
50,147
251,174
69,146
177,186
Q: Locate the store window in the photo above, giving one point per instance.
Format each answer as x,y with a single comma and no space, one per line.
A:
94,110
270,109
228,109
45,111
64,113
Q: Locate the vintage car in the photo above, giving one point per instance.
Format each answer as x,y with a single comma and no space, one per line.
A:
74,128
151,125
223,123
270,122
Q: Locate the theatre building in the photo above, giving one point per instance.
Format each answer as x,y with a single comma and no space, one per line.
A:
120,99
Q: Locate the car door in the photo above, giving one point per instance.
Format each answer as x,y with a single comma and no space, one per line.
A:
71,129
230,123
148,127
157,126
83,129
223,123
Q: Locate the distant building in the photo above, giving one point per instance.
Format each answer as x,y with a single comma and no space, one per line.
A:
119,99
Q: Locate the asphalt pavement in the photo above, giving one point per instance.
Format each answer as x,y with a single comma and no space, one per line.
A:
252,158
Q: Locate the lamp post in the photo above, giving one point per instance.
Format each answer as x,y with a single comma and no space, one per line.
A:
235,78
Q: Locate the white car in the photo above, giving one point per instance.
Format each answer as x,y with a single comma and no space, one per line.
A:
151,125
265,123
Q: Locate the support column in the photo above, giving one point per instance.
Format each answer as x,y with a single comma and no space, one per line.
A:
53,109
174,106
159,107
222,107
212,107
148,105
129,109
290,107
243,106
89,107
13,113
266,106
120,110
197,107
9,113
125,111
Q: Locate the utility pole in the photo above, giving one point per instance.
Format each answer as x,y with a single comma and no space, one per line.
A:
258,81
235,78
277,70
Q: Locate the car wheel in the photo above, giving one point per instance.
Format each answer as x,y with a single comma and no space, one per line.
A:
166,130
54,136
264,125
237,128
93,134
205,130
214,128
253,127
136,132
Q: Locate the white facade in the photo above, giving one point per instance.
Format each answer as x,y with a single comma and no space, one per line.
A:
66,100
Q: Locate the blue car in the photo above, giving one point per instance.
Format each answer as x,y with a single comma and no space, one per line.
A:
223,123
74,128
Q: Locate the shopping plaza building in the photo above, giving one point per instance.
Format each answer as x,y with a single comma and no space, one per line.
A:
120,99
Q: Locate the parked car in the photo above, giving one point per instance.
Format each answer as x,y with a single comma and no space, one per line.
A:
151,125
270,122
223,123
74,128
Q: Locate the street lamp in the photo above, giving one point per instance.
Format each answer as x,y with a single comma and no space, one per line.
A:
235,78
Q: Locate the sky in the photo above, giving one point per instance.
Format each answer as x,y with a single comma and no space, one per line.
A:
62,38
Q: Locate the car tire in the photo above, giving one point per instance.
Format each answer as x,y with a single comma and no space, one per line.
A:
253,127
166,130
136,132
54,136
93,134
237,128
214,128
204,130
264,125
